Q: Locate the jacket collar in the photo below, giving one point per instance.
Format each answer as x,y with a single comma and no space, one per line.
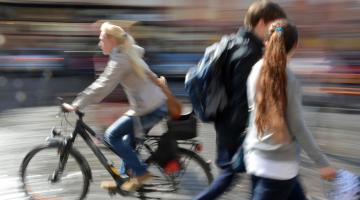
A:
246,33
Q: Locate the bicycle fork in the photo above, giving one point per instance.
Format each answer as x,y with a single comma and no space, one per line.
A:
63,152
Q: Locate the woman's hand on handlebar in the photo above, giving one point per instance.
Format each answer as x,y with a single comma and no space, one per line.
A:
68,108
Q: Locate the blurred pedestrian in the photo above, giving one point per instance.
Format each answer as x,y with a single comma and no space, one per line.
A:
147,100
231,123
276,124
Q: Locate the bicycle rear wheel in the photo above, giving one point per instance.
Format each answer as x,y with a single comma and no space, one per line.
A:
195,174
38,169
193,177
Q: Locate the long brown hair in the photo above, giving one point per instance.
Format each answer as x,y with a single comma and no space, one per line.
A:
271,96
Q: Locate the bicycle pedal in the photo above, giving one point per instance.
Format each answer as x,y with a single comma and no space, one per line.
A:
112,192
146,186
115,191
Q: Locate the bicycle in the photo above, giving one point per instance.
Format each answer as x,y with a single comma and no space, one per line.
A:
70,174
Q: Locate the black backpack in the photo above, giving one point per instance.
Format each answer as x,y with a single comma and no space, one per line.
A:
205,82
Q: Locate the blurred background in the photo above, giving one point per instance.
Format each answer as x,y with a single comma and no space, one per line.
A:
50,41
48,48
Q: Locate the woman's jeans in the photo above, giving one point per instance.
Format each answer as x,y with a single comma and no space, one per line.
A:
121,137
271,189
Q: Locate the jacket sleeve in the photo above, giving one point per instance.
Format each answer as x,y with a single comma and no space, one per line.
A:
103,85
297,127
243,65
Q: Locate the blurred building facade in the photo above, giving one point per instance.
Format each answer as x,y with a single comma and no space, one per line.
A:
61,36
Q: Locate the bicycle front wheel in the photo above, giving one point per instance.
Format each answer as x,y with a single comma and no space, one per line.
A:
41,165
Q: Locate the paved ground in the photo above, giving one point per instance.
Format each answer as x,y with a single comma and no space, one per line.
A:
336,131
21,129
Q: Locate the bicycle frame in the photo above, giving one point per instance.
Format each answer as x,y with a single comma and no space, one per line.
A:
84,131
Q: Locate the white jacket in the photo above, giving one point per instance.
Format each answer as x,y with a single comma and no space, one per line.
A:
143,95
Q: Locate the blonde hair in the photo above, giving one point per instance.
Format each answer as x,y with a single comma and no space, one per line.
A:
126,45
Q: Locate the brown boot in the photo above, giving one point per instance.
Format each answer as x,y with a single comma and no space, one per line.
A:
108,185
136,182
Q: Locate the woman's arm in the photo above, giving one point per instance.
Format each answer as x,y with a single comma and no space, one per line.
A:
299,130
103,85
296,124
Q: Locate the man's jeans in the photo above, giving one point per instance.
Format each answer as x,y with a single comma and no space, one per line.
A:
121,137
270,189
225,179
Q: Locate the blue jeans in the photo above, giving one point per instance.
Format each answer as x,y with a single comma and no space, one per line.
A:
120,136
227,175
270,189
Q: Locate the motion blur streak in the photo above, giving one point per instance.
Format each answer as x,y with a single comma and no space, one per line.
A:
48,48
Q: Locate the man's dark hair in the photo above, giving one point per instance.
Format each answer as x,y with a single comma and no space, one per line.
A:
263,9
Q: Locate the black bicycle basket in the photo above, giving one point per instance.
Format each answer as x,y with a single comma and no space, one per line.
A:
183,128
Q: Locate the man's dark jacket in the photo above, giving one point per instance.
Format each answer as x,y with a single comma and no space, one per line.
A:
232,121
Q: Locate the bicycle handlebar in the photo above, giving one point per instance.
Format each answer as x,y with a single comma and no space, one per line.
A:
65,110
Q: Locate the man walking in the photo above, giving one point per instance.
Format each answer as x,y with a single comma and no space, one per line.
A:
231,123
